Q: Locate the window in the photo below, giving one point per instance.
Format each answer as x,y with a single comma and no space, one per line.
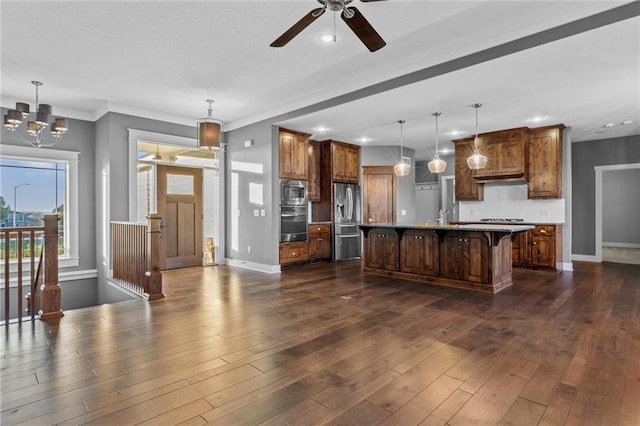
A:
40,181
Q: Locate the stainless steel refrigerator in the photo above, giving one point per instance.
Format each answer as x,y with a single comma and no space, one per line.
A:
347,215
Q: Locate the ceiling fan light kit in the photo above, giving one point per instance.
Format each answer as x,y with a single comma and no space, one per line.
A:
35,129
349,14
437,165
476,161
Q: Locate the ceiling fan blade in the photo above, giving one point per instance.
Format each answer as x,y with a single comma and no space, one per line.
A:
363,29
303,23
367,1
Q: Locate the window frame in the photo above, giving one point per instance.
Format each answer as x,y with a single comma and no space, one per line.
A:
71,219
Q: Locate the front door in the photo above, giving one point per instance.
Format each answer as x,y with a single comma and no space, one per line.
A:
379,194
180,206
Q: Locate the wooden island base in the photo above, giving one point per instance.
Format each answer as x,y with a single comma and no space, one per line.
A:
473,257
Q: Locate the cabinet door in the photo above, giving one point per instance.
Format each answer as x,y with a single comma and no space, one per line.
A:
292,156
411,251
382,249
338,162
430,259
313,171
466,186
476,252
543,251
521,248
452,256
352,164
545,162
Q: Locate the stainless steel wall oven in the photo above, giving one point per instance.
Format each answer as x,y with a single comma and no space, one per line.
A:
293,210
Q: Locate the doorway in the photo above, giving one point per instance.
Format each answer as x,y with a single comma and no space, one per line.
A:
379,194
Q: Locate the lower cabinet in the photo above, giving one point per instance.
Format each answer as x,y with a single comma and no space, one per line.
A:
419,253
381,249
294,252
463,257
539,247
319,242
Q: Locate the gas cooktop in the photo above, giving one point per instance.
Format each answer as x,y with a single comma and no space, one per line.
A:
508,220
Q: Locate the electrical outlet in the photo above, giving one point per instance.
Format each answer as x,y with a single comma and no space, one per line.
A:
403,213
248,249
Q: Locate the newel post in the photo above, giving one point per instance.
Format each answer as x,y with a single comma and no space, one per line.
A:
154,276
50,291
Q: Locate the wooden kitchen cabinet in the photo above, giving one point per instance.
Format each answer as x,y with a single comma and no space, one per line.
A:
420,252
545,162
506,154
540,247
294,252
466,187
313,169
382,249
345,162
293,154
463,257
319,241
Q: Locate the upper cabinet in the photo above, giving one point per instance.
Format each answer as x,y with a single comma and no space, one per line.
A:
534,155
545,162
506,154
345,162
467,189
293,154
313,168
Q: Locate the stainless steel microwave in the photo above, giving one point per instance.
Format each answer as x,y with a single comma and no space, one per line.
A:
293,192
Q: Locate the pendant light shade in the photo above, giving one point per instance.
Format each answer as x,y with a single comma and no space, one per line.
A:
437,165
209,131
403,167
477,160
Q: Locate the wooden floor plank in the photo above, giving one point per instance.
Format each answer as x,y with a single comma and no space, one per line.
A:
234,346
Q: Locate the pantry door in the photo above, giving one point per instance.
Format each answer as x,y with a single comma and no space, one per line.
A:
379,194
180,206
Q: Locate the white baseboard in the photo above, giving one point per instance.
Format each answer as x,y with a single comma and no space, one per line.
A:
585,258
621,245
270,269
566,266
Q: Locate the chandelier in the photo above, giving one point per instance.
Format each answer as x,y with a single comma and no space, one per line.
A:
209,130
404,165
36,129
437,165
477,160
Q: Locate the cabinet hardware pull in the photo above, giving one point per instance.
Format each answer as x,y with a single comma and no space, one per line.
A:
542,231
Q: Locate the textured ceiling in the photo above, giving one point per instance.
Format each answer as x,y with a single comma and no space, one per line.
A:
163,59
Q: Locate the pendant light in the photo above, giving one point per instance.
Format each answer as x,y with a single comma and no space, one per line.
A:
209,130
404,165
157,157
477,160
437,165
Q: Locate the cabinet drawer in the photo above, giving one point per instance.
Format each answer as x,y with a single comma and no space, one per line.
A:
319,228
294,252
544,230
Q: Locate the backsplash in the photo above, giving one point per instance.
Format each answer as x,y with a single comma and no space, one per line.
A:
509,201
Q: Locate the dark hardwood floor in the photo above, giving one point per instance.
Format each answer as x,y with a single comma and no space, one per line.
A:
326,344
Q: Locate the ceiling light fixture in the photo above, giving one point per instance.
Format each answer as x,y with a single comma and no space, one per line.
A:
437,165
477,160
36,129
209,130
404,165
157,157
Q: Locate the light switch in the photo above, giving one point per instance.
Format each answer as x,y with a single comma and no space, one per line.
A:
256,212
403,212
262,212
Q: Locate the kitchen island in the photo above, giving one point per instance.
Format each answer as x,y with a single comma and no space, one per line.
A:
471,256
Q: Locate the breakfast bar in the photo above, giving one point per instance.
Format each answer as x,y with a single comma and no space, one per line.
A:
470,256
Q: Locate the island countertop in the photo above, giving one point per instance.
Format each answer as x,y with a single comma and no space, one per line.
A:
453,227
470,256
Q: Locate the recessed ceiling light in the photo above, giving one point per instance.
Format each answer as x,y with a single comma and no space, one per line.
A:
608,125
364,139
321,129
537,119
624,123
327,38
455,132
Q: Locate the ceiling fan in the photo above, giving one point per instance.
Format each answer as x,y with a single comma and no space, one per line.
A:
352,16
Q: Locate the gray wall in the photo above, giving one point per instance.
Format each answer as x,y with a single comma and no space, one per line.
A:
112,177
620,207
585,156
406,196
261,233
